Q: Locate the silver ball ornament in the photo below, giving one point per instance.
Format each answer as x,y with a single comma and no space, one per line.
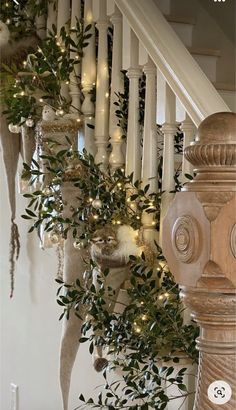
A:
15,129
54,238
97,203
29,122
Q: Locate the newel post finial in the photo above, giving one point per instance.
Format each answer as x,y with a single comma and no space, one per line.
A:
199,243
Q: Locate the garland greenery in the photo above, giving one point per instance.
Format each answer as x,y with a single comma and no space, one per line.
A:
147,336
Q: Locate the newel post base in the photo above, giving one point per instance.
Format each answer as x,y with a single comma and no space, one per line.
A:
215,314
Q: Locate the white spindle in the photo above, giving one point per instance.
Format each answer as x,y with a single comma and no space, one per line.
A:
169,130
88,74
63,17
133,149
102,88
189,130
117,85
63,14
40,22
51,17
149,158
74,77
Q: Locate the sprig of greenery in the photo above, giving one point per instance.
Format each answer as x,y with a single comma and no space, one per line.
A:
143,341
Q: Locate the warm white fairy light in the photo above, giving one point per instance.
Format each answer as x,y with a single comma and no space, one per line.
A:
95,217
137,217
24,63
41,100
142,302
8,21
118,222
144,317
67,82
153,223
166,294
90,200
77,57
107,95
119,184
161,297
128,200
90,118
78,120
22,93
137,329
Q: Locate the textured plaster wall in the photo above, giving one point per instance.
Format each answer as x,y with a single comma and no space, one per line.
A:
29,327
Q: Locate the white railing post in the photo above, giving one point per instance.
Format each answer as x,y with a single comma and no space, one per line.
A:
88,78
169,129
189,130
51,17
74,77
133,148
63,19
116,159
102,88
149,158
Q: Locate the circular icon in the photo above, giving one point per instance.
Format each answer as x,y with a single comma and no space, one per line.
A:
219,392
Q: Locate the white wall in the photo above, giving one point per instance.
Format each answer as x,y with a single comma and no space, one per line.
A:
29,327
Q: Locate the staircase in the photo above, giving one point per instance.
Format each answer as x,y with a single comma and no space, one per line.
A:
186,25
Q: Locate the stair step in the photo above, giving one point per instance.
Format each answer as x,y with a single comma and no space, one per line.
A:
225,86
212,52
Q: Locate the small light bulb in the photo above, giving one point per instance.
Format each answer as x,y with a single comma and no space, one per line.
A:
107,95
118,222
63,50
7,4
77,57
153,223
128,200
137,217
138,329
142,302
90,118
144,317
34,77
41,100
78,120
160,297
166,294
95,217
67,82
22,93
119,184
90,199
58,43
8,21
24,63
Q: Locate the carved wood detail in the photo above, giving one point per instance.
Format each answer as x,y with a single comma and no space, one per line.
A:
185,238
213,202
211,154
233,240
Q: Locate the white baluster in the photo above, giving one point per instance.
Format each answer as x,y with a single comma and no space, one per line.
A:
117,85
88,74
102,89
63,14
52,16
189,130
133,149
40,22
63,17
149,160
169,130
74,77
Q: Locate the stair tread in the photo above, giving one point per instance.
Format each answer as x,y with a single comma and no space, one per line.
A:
204,51
172,18
225,86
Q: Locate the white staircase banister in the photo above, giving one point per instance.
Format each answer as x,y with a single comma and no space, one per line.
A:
182,73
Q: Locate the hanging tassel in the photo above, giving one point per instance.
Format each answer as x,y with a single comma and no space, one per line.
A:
14,252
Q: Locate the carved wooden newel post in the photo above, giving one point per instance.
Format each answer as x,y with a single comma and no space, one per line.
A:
199,243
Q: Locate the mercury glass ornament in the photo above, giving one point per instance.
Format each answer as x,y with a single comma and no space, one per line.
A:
15,129
97,203
29,122
55,238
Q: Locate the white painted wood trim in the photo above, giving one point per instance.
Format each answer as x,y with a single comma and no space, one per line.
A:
182,73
